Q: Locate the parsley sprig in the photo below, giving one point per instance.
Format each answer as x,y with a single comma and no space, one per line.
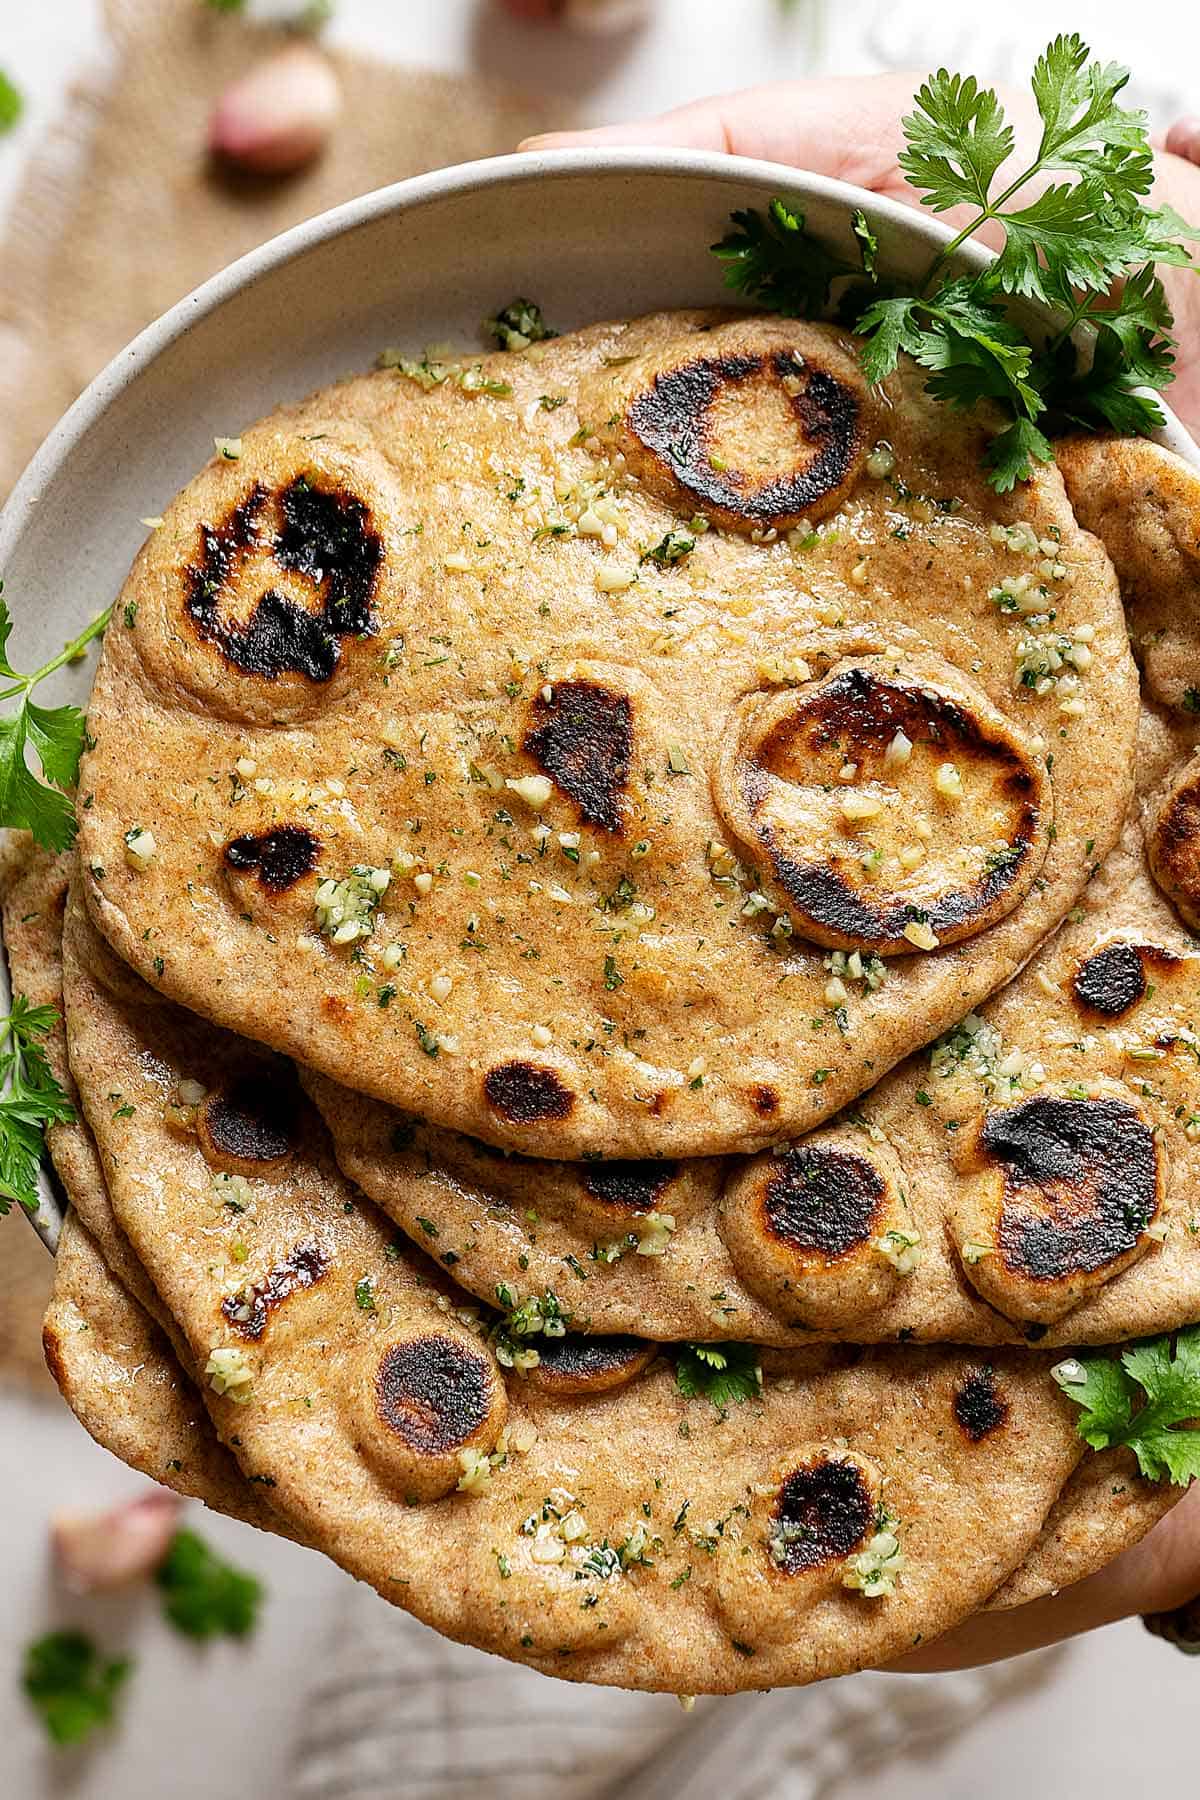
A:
56,735
1146,1400
722,1373
203,1596
1088,245
31,1100
11,103
71,1685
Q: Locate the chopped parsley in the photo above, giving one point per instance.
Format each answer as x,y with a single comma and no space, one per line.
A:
719,1372
11,103
204,1597
670,549
71,1686
518,325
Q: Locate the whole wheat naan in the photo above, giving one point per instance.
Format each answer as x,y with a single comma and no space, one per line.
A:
586,1516
118,1375
1033,1176
121,1375
479,773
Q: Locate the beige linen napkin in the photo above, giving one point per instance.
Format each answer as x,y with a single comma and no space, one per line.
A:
399,1713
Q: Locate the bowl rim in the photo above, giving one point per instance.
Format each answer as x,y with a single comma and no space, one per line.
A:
420,191
518,168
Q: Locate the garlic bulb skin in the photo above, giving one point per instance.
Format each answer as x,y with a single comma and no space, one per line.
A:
277,118
600,17
97,1552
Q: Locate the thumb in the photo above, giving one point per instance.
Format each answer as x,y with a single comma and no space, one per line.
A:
843,127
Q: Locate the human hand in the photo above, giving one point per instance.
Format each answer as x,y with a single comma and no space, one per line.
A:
849,127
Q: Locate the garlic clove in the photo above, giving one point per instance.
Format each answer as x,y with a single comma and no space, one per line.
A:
280,115
606,16
596,16
96,1551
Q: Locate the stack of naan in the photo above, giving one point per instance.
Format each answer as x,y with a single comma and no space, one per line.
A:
628,981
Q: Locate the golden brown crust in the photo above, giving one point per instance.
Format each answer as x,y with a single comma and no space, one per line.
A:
119,1376
355,1447
551,958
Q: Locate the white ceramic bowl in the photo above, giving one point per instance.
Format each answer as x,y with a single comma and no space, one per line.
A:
590,236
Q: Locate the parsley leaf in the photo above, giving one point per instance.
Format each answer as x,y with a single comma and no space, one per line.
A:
31,1100
205,1597
71,1685
56,734
1088,246
774,261
719,1372
1146,1400
11,103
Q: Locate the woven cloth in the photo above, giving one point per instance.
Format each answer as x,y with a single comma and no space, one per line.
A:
120,214
398,1713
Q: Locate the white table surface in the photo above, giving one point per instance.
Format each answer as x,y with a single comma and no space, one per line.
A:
1115,1715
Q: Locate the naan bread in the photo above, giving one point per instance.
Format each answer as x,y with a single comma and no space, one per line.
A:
474,771
120,1377
586,1517
117,1373
1063,1119
1033,1177
33,896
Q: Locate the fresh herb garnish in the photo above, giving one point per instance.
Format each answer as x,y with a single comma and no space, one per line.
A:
1146,1401
70,1685
669,550
205,1597
11,103
32,1099
719,1372
518,325
56,734
1088,246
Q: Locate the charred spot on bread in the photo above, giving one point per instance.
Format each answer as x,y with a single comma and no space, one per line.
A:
1080,1183
672,419
280,857
823,1512
629,1185
1173,844
820,1200
325,539
433,1392
524,1093
575,1364
763,1098
253,1121
582,738
250,1310
979,1406
1112,980
795,749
